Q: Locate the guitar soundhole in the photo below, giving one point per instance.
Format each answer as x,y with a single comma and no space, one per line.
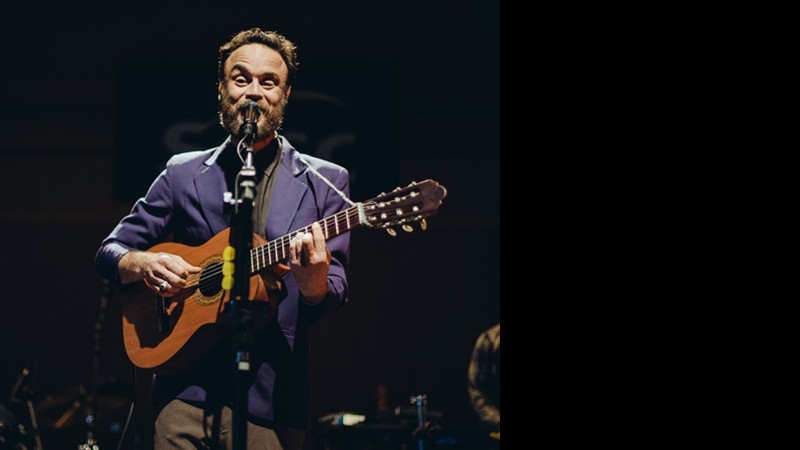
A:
210,283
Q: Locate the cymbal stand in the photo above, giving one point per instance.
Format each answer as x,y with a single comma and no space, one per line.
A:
91,401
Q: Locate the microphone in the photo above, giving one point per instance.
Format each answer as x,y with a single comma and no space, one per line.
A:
250,112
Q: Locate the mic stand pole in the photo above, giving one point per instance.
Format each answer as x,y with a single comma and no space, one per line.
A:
238,253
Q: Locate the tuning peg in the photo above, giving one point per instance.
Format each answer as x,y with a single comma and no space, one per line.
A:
423,224
391,232
408,228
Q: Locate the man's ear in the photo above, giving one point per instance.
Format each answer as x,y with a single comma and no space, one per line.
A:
219,91
288,91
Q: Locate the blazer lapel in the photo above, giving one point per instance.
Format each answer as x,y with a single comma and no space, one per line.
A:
289,191
210,185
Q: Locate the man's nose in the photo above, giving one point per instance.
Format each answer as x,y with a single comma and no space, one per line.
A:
254,90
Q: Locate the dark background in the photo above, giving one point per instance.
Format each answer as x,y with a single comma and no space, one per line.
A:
95,97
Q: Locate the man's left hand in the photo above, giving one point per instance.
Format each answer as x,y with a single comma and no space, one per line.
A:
310,260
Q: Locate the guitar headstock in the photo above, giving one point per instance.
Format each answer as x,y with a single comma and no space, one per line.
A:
404,206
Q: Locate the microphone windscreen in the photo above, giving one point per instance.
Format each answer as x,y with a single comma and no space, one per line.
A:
250,112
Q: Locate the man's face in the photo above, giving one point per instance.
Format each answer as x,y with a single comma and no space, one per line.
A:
254,72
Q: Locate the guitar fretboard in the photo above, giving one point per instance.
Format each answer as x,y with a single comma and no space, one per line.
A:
277,250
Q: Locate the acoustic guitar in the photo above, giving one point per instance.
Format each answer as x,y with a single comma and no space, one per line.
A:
168,335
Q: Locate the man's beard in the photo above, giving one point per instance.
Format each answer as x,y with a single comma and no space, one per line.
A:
230,120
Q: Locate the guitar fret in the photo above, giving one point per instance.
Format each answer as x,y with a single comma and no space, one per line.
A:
278,250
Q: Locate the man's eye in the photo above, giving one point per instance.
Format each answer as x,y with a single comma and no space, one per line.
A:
268,83
241,81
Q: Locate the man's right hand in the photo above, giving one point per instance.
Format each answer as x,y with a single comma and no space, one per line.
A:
156,268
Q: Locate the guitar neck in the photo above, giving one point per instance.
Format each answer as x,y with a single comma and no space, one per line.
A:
277,250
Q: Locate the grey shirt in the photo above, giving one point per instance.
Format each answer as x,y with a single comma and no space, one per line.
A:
264,186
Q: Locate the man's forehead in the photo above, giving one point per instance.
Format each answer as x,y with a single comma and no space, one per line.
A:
256,56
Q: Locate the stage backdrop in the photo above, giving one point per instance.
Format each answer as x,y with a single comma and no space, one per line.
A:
97,96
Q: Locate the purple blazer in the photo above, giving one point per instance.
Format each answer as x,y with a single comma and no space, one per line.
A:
185,201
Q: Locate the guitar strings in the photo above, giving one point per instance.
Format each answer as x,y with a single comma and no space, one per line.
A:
263,254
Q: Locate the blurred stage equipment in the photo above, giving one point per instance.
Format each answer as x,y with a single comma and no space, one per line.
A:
404,427
83,419
421,432
13,434
89,414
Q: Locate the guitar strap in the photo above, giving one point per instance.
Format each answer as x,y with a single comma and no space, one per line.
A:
321,177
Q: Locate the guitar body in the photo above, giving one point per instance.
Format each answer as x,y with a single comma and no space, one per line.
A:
167,335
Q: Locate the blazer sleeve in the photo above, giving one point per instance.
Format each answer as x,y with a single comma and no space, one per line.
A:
145,226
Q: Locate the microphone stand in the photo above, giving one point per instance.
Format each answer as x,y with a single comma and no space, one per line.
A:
241,240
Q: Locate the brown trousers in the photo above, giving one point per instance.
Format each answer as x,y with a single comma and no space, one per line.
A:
182,426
